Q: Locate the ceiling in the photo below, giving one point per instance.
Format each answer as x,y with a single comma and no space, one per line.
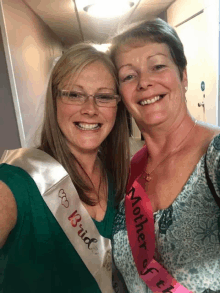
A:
72,24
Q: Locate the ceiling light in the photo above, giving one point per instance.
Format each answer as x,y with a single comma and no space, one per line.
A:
102,47
108,9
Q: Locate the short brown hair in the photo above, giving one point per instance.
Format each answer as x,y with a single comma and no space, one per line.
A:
155,31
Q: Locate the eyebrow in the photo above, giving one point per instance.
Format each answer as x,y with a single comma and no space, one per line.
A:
101,88
131,65
156,55
106,88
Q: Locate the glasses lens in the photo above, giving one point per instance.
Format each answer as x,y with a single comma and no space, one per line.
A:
106,100
72,97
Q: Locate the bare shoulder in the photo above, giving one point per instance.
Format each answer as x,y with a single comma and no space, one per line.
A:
208,127
207,131
204,133
8,212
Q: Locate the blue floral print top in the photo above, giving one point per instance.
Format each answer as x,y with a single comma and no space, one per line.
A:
187,234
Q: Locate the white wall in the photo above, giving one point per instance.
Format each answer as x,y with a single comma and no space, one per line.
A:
183,10
30,48
9,136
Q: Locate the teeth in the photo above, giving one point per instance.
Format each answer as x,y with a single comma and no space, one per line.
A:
151,101
86,126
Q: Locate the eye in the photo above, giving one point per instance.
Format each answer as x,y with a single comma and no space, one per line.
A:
105,97
127,77
75,95
158,66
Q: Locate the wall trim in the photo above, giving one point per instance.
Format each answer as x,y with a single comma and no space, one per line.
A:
189,18
12,78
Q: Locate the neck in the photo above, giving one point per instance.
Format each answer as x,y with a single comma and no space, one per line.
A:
92,172
89,164
88,161
162,139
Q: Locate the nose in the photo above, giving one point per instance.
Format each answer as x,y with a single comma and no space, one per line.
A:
89,107
144,81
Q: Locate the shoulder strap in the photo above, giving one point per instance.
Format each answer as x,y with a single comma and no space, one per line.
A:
210,184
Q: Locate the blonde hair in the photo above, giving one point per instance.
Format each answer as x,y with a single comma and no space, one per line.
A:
114,151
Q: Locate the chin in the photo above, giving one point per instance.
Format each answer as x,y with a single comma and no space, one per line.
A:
90,150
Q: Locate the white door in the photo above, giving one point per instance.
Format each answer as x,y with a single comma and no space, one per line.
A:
194,35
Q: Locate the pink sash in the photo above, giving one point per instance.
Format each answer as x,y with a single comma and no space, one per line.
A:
140,226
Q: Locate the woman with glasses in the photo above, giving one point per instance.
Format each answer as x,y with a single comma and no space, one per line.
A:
57,202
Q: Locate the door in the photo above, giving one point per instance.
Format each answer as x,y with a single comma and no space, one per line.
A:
194,36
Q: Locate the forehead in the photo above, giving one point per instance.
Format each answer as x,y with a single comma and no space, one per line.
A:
96,72
136,52
94,69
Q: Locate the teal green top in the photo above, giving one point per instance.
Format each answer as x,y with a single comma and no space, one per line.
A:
37,256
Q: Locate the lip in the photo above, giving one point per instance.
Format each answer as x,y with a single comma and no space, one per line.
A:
79,125
85,122
151,98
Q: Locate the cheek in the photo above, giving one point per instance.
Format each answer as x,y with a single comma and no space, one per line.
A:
63,114
60,116
129,88
127,100
125,89
172,80
126,95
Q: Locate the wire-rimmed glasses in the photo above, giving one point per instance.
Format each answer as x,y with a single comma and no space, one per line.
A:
77,98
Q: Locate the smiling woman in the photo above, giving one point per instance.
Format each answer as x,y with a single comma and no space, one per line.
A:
58,202
154,66
86,123
166,236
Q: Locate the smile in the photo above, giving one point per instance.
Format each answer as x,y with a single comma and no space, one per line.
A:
86,126
151,101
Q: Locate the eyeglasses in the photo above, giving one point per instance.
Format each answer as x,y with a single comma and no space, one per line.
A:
77,98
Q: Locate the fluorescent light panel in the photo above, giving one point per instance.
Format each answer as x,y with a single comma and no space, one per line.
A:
108,9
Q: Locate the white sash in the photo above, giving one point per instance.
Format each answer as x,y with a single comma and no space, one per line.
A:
61,197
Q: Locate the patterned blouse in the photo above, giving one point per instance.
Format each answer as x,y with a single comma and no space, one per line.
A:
187,234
